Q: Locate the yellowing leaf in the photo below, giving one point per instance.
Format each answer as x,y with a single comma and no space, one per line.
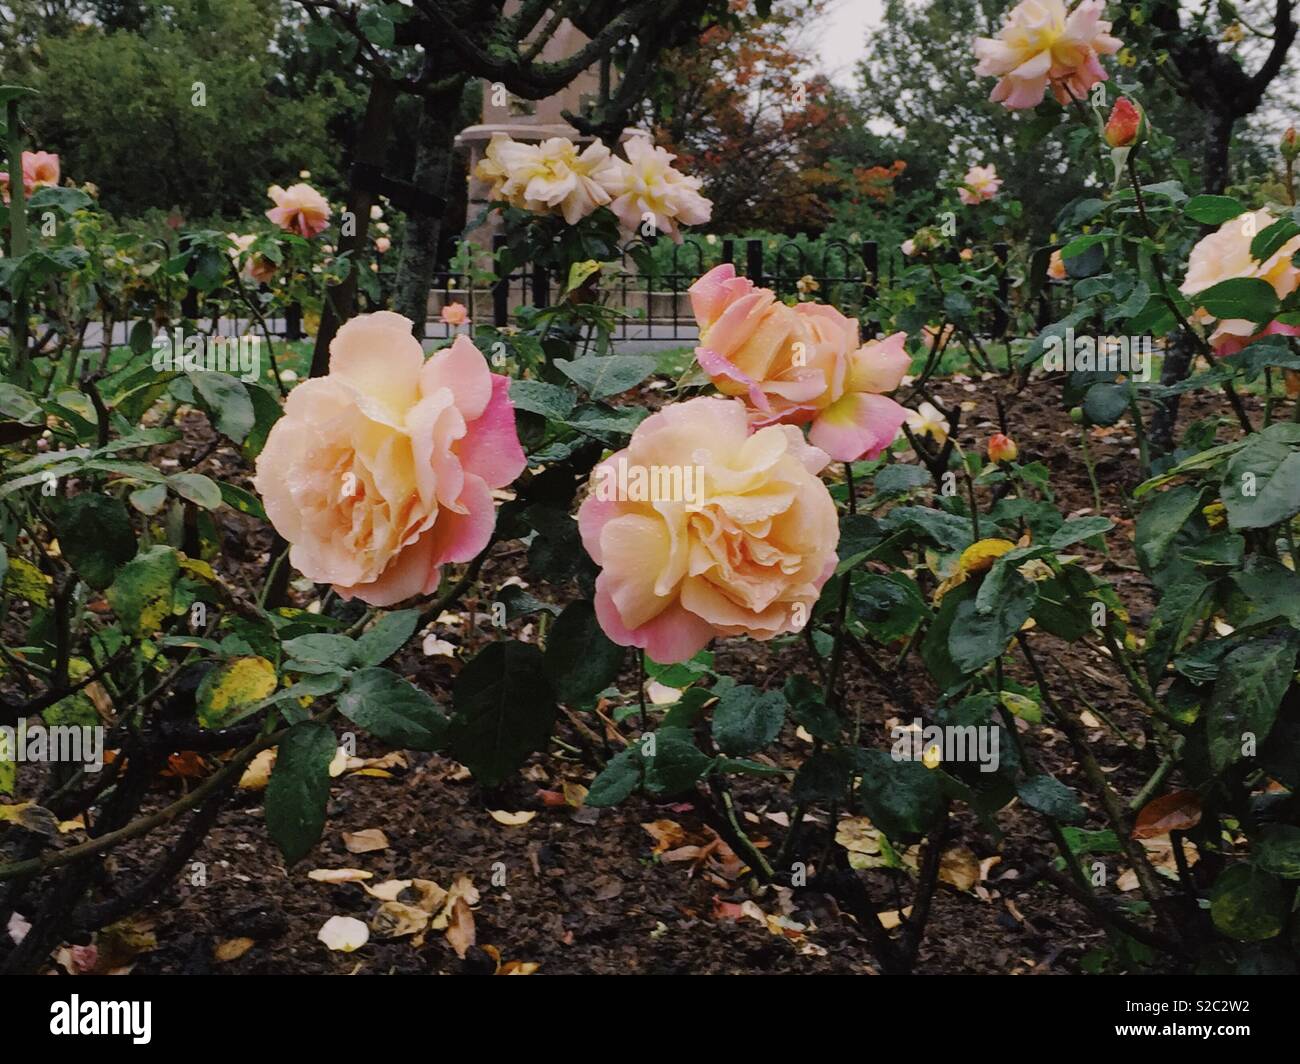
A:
395,919
974,559
230,691
959,867
23,580
232,949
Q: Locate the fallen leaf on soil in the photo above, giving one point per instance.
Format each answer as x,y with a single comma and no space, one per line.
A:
120,943
1176,811
395,919
258,773
339,875
668,834
959,867
891,919
232,949
388,890
367,841
575,794
185,765
344,934
460,928
512,820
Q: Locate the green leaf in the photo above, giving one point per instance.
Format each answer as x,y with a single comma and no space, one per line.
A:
393,710
1240,297
141,594
386,637
1249,904
1078,529
899,478
889,605
324,648
1213,210
550,400
503,710
581,660
1161,520
1267,243
617,780
227,403
975,639
1051,796
902,798
947,531
672,762
809,710
1249,688
299,789
233,690
1277,850
95,536
150,500
1261,486
198,489
601,376
239,499
746,719
1273,590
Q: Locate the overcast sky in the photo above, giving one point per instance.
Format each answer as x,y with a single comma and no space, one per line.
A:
839,36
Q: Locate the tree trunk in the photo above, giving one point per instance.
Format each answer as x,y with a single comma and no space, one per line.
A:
434,158
341,299
1218,136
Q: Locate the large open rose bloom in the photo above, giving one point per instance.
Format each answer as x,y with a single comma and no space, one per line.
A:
382,470
550,177
799,365
299,209
749,554
646,184
1225,254
1042,45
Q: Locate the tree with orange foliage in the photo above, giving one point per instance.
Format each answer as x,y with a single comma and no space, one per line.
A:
774,143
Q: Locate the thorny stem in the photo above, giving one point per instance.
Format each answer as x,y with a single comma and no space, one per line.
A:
1147,878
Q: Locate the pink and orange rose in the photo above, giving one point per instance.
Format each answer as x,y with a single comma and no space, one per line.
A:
299,209
1225,255
799,365
383,470
1043,45
746,555
40,169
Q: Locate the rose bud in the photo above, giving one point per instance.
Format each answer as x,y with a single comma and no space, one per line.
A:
1290,145
1002,448
1124,124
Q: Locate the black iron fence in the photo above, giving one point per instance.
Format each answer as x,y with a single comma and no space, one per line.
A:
655,305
